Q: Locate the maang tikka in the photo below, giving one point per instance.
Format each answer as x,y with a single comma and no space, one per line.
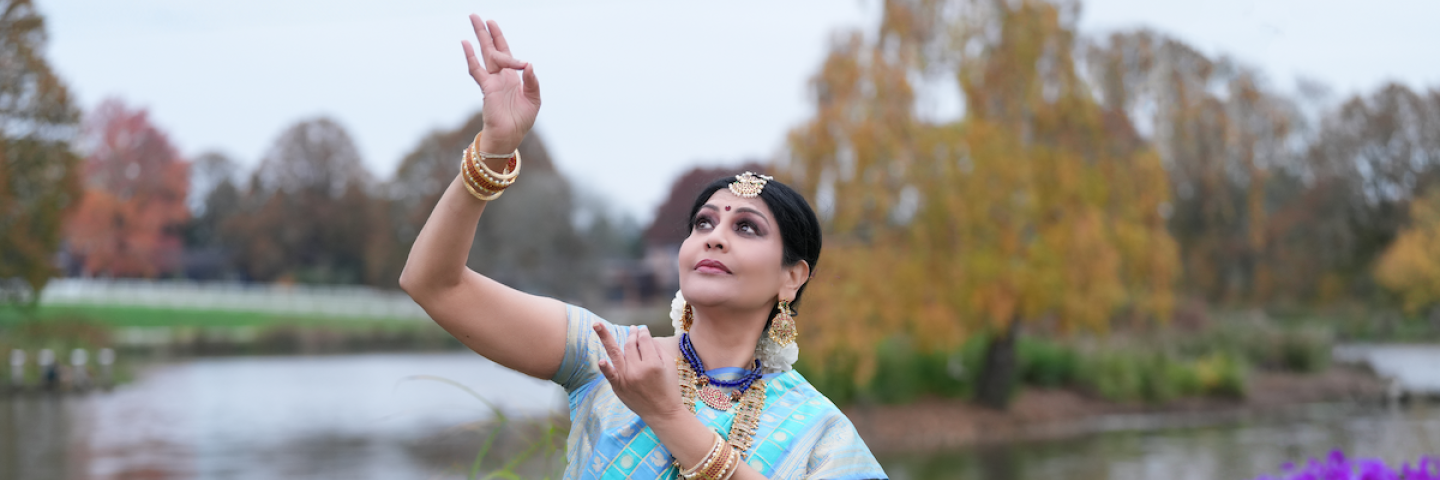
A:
749,184
782,327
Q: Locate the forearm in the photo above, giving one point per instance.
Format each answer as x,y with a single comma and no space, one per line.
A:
437,259
689,441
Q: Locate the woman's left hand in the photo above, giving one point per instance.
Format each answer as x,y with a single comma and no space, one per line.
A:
642,377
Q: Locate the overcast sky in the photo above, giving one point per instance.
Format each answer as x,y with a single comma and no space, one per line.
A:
635,91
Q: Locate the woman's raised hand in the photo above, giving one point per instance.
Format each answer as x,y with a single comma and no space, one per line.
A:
510,105
642,376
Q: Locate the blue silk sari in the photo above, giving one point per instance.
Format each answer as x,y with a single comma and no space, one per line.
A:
801,433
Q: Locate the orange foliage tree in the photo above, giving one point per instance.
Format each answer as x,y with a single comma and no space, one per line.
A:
1039,205
130,218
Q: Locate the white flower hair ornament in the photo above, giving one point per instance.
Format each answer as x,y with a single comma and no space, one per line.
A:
774,358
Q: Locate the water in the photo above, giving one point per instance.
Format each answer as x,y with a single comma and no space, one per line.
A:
1415,368
1238,452
348,416
356,417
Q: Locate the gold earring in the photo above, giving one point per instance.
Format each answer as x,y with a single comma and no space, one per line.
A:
688,319
782,327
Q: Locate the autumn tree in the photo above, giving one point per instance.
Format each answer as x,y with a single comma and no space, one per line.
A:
39,176
1410,267
309,214
1039,207
129,221
526,240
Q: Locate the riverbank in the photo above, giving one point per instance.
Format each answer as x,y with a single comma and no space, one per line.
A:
936,424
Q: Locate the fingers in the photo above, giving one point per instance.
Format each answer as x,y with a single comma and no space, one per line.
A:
654,347
632,346
504,60
532,85
646,345
500,43
617,357
487,44
477,71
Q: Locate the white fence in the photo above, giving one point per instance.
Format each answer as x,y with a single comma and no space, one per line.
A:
307,300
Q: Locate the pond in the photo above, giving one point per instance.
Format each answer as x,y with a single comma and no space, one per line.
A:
343,416
364,416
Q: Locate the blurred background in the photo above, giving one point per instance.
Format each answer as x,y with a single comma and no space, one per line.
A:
1102,239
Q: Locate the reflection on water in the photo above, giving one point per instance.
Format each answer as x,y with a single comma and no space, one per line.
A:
349,416
1239,452
352,416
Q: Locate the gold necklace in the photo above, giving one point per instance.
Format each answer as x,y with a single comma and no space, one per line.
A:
747,411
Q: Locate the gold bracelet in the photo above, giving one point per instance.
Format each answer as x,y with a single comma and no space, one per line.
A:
475,144
483,171
512,167
480,180
474,153
717,468
694,473
475,190
731,467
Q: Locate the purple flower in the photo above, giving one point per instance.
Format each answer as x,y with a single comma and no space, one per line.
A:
1337,467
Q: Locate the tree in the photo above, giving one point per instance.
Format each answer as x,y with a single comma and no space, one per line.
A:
39,176
129,221
527,239
310,214
1410,267
214,198
1039,207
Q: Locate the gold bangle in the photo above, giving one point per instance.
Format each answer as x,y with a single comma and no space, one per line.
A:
480,180
483,194
731,467
513,166
482,171
476,145
474,154
723,462
694,473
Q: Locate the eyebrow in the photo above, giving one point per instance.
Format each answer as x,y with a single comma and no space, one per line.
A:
740,209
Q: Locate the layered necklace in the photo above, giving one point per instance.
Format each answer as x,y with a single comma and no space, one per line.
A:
746,400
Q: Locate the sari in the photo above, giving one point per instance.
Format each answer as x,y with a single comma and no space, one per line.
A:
801,433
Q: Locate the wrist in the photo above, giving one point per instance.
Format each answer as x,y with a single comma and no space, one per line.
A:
497,146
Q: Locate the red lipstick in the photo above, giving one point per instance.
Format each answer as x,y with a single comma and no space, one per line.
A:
711,266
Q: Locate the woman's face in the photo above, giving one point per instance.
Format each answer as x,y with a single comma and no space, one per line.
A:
733,255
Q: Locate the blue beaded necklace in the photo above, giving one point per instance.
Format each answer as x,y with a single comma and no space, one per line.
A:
740,384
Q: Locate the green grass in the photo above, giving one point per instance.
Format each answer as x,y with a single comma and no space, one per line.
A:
128,316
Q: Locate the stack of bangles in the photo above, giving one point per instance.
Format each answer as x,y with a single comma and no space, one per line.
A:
482,181
720,464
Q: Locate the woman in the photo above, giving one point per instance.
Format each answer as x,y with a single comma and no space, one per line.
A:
644,407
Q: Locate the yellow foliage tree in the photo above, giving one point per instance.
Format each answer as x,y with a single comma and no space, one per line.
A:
1036,205
1411,266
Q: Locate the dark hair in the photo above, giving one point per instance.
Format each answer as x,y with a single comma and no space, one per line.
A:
798,226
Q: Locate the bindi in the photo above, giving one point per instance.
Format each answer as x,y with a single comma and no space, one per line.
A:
727,208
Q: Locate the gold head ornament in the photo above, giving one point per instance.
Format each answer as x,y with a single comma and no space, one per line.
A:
749,184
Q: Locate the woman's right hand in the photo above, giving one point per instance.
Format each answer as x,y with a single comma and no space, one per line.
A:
510,105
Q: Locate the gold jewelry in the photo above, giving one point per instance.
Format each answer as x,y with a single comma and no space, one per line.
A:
747,412
480,180
705,462
688,318
475,146
749,184
782,327
476,189
718,467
